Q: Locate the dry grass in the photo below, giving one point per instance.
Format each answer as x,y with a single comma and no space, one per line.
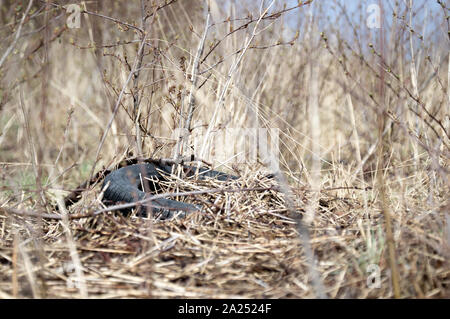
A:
321,89
243,245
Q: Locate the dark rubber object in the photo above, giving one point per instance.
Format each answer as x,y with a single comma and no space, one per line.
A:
124,185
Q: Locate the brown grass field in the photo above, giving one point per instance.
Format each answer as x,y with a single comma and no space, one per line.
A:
357,209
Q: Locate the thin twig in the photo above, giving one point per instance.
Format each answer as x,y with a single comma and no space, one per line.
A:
149,199
16,38
232,70
195,71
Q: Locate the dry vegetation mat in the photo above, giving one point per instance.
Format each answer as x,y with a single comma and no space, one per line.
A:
243,244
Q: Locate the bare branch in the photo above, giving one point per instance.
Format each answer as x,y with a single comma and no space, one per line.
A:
16,38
